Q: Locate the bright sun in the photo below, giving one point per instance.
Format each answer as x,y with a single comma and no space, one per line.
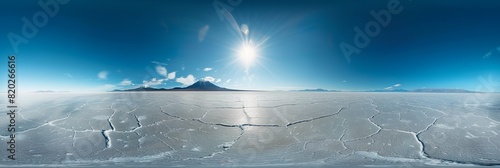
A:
248,54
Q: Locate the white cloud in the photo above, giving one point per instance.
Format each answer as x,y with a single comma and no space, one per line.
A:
218,80
189,80
393,86
126,82
344,81
161,70
102,75
202,33
209,79
207,69
171,75
152,82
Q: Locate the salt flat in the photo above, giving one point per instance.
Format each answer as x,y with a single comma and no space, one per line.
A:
214,129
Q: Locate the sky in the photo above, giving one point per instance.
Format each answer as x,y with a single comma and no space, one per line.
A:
95,45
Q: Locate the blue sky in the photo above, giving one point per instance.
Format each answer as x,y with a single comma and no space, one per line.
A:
97,45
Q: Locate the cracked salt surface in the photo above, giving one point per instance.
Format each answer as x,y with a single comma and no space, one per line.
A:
254,129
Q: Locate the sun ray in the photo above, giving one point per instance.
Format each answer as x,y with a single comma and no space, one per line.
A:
248,51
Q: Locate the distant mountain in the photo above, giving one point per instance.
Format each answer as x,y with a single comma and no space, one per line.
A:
317,90
427,90
48,91
443,90
389,90
202,85
44,91
198,86
142,88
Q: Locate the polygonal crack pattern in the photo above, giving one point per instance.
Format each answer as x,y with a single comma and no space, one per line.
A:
255,128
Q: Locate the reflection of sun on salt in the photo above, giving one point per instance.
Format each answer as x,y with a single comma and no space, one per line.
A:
243,119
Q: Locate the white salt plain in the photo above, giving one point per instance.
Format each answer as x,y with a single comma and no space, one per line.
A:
279,129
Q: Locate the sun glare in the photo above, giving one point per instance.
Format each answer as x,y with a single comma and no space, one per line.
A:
248,54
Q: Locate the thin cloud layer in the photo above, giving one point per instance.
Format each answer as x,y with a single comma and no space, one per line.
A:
171,75
393,86
161,70
125,82
209,79
186,81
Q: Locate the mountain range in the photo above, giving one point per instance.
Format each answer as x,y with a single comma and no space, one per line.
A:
316,90
426,90
200,85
